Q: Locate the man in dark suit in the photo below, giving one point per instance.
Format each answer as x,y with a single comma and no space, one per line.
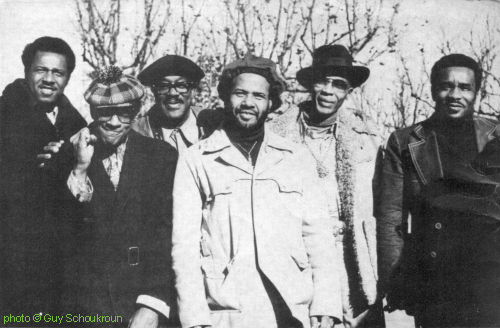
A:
36,120
428,253
122,247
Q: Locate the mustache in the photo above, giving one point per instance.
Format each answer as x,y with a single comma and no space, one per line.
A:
454,103
176,98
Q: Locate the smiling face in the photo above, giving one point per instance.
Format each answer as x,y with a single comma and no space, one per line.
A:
455,92
249,100
113,124
329,94
173,94
47,77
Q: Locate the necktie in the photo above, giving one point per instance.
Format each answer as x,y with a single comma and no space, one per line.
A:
113,171
176,136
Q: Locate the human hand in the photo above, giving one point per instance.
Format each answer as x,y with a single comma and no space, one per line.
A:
144,318
322,322
83,149
51,149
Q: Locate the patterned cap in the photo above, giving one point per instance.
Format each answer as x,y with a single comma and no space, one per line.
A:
113,89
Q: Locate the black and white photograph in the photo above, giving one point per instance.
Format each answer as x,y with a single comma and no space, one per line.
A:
250,163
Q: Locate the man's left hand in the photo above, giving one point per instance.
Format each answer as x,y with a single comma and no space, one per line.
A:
322,322
144,318
49,150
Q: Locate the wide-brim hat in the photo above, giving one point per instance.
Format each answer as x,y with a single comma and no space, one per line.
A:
170,65
114,89
333,60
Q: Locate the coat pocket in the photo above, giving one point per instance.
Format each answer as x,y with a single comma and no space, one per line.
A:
220,285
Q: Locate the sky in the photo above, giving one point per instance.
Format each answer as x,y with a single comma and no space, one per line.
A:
23,21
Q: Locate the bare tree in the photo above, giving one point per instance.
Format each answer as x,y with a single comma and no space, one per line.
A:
102,32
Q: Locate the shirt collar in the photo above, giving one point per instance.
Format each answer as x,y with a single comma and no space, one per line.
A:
190,129
310,131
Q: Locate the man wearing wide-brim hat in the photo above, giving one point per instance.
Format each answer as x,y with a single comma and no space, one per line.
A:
173,80
344,145
123,181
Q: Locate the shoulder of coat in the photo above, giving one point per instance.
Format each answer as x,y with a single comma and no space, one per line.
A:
285,124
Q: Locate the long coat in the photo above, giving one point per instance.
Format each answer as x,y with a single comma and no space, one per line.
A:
426,243
356,152
122,239
33,213
216,191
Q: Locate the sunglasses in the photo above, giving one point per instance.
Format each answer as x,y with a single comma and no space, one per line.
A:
104,114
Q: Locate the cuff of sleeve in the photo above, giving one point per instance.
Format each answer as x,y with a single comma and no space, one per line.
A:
82,191
154,303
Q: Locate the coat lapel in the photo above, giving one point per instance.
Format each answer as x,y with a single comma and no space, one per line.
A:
104,195
219,142
270,153
484,132
133,161
424,152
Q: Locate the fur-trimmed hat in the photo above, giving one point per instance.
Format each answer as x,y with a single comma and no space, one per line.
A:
333,60
114,89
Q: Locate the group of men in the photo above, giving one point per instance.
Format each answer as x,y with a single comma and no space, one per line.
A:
229,218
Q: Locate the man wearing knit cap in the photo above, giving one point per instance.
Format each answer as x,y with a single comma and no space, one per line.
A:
437,234
173,80
344,147
124,183
252,242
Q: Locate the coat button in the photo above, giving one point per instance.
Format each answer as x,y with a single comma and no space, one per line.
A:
438,226
433,254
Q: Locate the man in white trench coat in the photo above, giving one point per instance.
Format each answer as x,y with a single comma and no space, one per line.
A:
252,242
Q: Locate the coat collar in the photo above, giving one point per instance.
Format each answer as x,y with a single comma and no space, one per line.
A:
270,152
424,148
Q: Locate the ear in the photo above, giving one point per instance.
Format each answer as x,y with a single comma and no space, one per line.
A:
270,105
350,91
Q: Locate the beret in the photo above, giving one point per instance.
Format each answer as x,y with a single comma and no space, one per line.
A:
170,65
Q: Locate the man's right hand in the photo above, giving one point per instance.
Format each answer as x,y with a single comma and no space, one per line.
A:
83,148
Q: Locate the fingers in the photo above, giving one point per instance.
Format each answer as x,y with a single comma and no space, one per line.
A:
314,322
76,137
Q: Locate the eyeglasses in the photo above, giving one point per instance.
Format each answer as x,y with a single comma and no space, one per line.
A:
181,87
124,115
339,85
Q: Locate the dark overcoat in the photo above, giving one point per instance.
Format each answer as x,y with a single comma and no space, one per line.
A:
426,250
33,215
122,241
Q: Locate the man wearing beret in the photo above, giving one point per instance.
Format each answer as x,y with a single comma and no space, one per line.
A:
344,146
121,255
252,243
437,236
36,122
173,80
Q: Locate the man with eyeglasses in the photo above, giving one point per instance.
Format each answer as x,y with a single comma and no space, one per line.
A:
344,147
173,80
123,183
